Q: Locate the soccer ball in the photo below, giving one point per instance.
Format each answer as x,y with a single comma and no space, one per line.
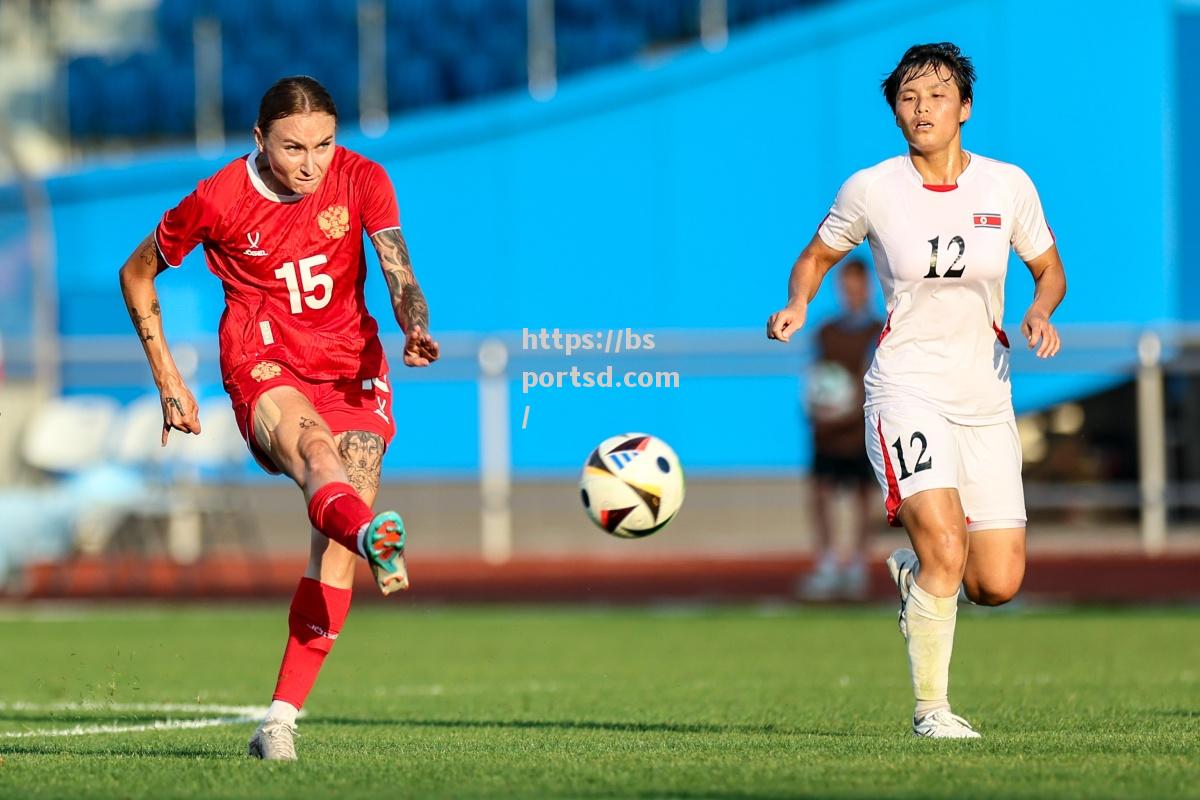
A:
832,392
632,485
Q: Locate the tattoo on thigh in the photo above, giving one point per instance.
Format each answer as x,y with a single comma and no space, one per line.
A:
362,454
305,422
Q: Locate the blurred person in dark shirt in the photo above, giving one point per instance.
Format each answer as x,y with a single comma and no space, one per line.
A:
835,397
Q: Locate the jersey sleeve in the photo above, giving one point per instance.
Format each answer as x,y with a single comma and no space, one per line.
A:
1031,236
378,208
845,226
185,226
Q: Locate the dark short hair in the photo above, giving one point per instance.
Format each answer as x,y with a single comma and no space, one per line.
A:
297,94
923,58
854,265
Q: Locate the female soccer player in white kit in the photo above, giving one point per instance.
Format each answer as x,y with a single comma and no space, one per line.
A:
940,429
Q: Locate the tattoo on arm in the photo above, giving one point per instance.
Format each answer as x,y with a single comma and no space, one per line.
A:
414,308
138,319
173,402
408,301
362,455
149,255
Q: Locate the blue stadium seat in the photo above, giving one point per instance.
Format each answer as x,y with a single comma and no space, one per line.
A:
172,92
174,22
415,81
83,77
436,50
126,91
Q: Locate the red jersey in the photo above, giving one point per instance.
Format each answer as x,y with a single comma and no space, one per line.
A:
292,266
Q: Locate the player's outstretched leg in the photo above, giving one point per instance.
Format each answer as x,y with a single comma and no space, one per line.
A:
288,428
337,511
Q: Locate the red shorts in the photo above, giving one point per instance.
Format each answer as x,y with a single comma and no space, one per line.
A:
356,405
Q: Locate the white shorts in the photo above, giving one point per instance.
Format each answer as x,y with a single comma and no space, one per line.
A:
914,448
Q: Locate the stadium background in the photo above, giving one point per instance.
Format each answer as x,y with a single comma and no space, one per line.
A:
586,166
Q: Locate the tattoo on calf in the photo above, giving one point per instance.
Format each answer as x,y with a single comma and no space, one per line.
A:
362,455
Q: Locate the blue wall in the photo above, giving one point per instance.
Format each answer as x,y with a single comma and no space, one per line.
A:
675,196
1187,118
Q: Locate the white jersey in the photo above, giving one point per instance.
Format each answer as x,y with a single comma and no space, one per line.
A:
941,254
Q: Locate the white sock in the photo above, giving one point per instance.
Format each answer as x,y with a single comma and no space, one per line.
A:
282,711
930,623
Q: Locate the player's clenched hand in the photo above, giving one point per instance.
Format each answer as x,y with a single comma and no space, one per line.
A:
180,411
1040,333
786,322
420,350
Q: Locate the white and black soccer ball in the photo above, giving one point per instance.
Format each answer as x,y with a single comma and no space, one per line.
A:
632,485
832,392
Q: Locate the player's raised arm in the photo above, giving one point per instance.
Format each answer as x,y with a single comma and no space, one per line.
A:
408,301
807,273
141,300
1049,288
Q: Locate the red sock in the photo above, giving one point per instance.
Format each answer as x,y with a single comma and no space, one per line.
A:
337,511
316,616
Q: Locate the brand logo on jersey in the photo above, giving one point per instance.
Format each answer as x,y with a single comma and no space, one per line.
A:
382,410
265,371
253,250
334,222
987,220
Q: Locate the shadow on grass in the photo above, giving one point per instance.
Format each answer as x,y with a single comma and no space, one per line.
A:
584,725
35,747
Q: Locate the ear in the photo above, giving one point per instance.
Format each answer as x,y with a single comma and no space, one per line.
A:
964,113
258,138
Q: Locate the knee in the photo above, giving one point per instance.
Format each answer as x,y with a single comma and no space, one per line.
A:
992,591
946,553
319,453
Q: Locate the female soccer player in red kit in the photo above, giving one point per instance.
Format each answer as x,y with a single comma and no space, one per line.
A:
300,356
940,429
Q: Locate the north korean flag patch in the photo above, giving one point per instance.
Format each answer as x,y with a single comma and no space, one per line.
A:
984,220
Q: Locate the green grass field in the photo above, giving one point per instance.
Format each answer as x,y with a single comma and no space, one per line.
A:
529,702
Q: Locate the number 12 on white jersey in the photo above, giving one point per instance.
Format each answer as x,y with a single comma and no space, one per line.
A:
308,285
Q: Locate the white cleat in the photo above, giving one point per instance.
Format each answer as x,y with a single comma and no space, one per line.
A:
942,724
902,565
822,583
273,741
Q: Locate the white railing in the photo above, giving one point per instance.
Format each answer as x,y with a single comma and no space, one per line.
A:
495,361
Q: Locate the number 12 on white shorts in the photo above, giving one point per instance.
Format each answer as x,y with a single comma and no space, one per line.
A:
914,448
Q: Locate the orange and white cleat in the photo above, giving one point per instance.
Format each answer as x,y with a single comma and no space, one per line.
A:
382,543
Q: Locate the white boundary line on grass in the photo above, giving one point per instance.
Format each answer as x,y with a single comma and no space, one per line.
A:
234,715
